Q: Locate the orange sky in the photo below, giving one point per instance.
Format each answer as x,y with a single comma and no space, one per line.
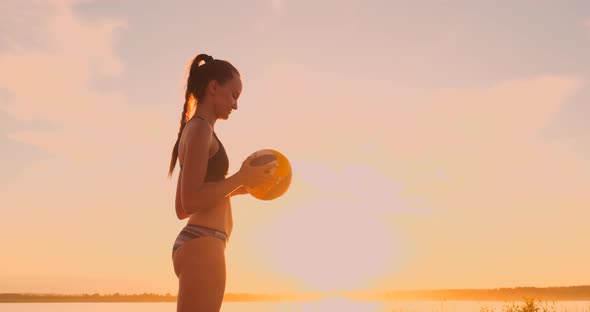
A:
433,146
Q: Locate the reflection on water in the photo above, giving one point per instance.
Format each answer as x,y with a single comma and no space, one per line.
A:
328,305
343,305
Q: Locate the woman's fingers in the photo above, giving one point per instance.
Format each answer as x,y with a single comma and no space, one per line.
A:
266,180
268,168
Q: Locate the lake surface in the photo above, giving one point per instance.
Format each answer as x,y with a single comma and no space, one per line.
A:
328,305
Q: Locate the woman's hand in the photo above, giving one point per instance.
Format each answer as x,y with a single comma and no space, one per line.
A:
254,176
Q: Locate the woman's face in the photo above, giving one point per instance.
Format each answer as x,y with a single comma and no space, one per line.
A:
226,96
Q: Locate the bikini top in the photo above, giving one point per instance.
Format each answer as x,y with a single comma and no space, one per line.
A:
218,164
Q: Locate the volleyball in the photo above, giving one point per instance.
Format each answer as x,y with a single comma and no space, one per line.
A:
282,171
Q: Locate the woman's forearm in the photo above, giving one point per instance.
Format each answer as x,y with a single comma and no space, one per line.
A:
239,191
211,192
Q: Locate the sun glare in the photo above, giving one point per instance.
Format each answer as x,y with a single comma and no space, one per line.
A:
342,305
330,245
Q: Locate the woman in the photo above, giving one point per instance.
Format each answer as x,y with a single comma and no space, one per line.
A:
203,190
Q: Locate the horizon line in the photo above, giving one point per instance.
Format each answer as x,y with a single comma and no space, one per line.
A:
307,292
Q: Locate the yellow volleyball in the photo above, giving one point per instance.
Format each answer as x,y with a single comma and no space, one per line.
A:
282,171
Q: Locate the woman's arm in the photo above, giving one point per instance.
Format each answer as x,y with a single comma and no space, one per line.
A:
195,193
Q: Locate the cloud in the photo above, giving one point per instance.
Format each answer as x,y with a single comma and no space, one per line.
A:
75,151
450,147
23,27
52,82
18,154
488,143
476,158
15,156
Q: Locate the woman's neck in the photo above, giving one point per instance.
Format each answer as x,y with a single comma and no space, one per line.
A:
207,116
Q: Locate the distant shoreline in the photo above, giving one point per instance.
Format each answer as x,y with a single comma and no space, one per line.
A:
569,293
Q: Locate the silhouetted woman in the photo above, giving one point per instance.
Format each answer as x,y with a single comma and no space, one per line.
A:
203,191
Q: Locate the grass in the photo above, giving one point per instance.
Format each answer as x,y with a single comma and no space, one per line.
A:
531,305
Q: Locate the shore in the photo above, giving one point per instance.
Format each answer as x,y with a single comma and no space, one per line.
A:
569,293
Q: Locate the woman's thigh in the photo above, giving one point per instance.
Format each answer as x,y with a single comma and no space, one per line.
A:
200,266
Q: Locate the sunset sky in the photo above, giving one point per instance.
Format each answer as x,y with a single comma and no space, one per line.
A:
434,144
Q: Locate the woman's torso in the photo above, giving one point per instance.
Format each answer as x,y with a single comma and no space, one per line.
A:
219,216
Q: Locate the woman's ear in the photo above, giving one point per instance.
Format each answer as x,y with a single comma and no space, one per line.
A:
212,87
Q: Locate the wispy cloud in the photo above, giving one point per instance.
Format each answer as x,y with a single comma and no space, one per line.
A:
486,139
53,82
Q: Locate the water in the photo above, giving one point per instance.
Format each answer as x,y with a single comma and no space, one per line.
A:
335,304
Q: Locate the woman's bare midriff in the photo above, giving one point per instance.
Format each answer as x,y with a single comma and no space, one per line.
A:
218,217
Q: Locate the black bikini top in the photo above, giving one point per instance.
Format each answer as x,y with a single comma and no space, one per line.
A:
218,164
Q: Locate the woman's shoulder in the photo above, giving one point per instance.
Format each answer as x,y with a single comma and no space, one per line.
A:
197,127
195,139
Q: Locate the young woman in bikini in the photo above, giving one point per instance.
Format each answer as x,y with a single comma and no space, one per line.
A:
204,190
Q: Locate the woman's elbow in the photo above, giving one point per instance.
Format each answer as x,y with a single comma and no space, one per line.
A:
181,214
191,206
